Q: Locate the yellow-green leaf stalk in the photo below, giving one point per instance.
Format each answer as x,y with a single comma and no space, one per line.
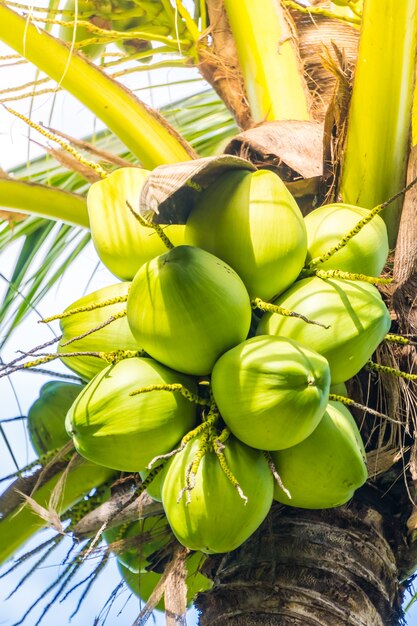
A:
378,135
16,528
151,140
49,202
271,72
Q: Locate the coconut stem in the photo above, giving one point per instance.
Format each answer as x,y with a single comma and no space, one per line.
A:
404,341
275,474
192,468
108,321
64,144
334,397
156,227
218,447
83,309
385,369
257,303
186,393
349,276
109,357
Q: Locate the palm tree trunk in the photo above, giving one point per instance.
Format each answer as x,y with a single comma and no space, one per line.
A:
332,567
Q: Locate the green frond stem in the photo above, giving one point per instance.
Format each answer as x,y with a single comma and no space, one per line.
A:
351,19
385,369
96,167
49,202
109,320
123,58
267,307
218,447
84,309
186,393
272,75
379,124
275,474
373,280
149,137
161,34
156,227
400,339
334,397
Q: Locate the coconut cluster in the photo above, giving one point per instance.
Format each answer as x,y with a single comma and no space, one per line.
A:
234,340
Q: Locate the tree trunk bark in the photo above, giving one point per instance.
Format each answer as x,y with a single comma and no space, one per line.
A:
333,567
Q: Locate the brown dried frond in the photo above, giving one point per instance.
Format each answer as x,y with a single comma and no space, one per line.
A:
315,34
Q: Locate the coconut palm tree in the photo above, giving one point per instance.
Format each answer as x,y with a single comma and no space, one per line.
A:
321,95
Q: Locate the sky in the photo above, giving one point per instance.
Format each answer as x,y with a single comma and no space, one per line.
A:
69,116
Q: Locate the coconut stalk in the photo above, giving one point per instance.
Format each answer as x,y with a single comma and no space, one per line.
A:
268,60
49,202
146,134
378,135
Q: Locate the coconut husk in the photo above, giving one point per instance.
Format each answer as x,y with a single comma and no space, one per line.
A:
171,191
293,149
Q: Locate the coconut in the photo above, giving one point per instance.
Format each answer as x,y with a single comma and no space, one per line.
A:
251,221
325,469
356,315
115,336
142,584
186,308
217,518
116,429
46,416
271,391
86,10
147,535
366,253
122,243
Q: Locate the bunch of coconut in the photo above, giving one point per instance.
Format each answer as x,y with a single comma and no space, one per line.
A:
221,347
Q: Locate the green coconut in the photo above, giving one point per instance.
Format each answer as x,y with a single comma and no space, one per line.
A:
114,336
87,10
271,391
122,243
217,518
251,221
186,308
356,315
147,536
46,416
142,584
366,253
155,487
116,429
324,470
